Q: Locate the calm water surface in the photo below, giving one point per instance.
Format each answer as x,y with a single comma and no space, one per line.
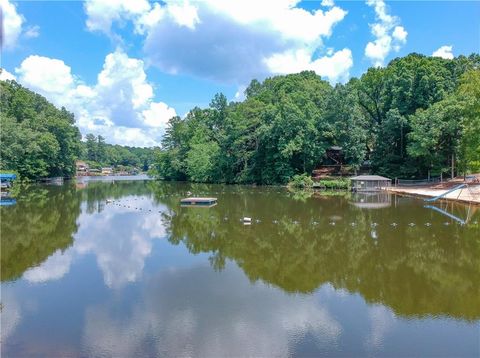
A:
119,269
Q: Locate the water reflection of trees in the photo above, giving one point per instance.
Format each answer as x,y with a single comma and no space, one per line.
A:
42,221
95,193
416,270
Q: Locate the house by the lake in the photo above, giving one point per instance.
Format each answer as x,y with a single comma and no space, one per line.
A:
82,167
107,171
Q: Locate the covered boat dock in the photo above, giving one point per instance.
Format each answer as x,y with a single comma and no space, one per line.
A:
370,183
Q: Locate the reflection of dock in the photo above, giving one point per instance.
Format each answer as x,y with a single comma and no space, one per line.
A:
202,202
448,209
441,211
372,200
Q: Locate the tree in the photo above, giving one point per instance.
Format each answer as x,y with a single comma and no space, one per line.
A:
469,91
38,140
91,147
101,149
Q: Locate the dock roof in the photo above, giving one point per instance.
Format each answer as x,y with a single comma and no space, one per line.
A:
369,178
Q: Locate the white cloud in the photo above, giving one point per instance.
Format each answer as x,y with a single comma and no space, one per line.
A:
32,32
102,13
120,106
54,268
227,41
388,35
444,52
335,66
184,14
382,321
11,313
256,320
283,17
121,261
400,34
6,76
328,3
45,75
12,24
158,114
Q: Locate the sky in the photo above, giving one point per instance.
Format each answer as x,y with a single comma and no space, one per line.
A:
124,67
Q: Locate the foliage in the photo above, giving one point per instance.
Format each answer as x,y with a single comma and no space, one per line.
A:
99,154
37,139
301,181
341,183
405,119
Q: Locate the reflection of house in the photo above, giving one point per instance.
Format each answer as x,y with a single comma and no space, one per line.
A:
107,170
369,182
372,200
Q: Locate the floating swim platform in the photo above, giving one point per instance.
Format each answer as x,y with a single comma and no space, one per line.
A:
198,202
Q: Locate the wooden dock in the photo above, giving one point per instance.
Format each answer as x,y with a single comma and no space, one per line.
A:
205,202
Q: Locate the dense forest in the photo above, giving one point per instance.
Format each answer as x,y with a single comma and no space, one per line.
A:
417,116
39,140
99,154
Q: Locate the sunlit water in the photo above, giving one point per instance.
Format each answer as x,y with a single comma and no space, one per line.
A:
120,269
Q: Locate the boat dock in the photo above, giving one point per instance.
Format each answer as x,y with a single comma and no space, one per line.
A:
467,194
205,202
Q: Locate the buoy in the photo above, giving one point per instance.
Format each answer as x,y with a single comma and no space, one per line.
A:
247,220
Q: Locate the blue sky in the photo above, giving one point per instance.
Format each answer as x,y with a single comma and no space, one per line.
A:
125,67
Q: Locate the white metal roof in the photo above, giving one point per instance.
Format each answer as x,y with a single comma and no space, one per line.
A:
369,178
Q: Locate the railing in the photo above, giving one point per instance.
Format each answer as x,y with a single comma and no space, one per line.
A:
420,182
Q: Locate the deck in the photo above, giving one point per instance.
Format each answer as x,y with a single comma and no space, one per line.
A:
198,201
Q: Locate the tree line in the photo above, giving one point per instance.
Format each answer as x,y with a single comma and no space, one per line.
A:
98,154
38,140
417,116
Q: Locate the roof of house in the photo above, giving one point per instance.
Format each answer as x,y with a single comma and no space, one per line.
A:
369,178
335,147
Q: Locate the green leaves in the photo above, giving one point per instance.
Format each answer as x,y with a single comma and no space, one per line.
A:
38,140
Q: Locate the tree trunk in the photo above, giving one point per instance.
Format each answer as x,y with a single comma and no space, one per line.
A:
453,165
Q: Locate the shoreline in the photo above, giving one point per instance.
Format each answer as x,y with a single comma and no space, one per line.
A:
469,195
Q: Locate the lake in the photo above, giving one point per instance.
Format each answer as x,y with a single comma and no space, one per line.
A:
119,269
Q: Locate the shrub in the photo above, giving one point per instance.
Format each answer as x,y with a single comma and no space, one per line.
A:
301,181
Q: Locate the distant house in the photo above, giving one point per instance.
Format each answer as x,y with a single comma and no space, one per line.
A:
370,182
82,167
107,171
